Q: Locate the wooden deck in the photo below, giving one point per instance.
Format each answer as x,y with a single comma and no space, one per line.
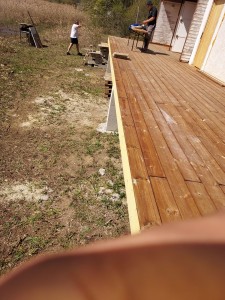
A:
171,121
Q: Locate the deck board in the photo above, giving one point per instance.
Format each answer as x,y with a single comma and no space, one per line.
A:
179,124
170,139
174,131
206,102
202,198
167,205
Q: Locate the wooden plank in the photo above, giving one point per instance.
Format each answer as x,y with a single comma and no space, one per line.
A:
186,137
204,86
187,205
125,112
203,128
166,203
215,192
187,94
120,55
137,164
139,30
145,202
172,76
120,88
206,135
131,201
202,199
182,161
152,162
36,37
204,110
150,155
183,129
131,137
103,45
146,205
182,195
203,172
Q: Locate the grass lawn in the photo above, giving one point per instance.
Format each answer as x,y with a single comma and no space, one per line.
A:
52,195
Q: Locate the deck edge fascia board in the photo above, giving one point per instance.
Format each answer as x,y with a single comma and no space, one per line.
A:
132,207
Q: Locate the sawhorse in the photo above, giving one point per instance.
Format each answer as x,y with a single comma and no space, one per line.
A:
136,34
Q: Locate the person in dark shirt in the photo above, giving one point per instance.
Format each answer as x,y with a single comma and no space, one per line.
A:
149,24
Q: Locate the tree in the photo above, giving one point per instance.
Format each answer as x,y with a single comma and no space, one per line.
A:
115,16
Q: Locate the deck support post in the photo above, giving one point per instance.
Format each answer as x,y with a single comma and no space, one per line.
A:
111,124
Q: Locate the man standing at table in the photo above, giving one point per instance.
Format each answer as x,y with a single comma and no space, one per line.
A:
149,24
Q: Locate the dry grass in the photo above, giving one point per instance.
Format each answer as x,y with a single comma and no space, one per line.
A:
13,11
52,195
54,20
60,34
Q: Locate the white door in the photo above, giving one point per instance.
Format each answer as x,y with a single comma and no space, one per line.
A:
184,23
215,64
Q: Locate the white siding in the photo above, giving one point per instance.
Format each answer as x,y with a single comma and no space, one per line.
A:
194,30
166,22
215,65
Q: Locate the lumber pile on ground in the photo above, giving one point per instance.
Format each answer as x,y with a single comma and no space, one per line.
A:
108,83
97,58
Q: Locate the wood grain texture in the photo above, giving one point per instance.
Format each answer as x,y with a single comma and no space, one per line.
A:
167,206
174,130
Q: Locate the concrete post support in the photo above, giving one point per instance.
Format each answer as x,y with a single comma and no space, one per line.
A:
111,124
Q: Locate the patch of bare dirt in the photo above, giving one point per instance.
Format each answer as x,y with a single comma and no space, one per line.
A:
26,191
71,108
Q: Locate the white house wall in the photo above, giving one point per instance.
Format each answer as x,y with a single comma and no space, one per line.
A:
166,22
194,30
215,64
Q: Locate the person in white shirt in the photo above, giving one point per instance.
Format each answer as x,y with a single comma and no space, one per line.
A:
74,38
